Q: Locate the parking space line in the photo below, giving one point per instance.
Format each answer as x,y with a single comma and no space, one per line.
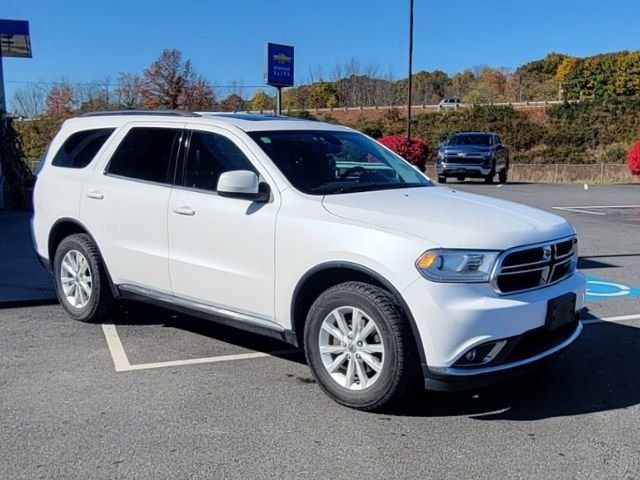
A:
122,364
577,210
119,356
618,319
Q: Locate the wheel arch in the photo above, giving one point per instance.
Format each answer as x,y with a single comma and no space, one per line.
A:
328,274
64,227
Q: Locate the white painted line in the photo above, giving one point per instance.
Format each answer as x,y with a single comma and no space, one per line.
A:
119,356
618,319
220,358
121,362
602,206
577,210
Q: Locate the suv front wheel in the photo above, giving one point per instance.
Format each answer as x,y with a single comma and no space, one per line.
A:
360,347
80,279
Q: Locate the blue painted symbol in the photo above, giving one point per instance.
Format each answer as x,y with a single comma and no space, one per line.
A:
600,289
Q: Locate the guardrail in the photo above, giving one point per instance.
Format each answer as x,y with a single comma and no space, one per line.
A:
427,107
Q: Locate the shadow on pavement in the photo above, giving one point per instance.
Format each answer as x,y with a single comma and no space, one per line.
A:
599,372
134,313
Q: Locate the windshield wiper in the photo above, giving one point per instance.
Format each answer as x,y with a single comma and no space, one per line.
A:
370,187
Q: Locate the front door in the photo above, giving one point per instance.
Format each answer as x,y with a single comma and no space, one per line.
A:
221,249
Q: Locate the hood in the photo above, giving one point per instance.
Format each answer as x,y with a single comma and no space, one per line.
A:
450,218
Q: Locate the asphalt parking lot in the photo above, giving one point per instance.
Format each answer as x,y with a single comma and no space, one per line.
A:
158,395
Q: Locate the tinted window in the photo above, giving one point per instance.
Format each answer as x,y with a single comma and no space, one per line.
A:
470,139
145,154
209,156
331,162
81,147
497,139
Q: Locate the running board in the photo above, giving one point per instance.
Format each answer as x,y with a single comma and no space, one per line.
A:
242,321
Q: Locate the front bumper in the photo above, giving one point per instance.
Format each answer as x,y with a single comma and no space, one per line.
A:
460,169
454,318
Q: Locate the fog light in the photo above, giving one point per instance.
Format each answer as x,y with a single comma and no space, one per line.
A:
470,356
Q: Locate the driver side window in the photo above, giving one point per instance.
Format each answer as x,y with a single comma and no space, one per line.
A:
209,156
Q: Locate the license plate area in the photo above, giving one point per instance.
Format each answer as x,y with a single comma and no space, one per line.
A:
560,311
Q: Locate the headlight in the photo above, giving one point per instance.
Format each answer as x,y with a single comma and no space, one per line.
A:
441,265
440,156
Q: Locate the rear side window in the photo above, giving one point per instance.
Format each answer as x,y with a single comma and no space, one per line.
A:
209,156
80,148
145,154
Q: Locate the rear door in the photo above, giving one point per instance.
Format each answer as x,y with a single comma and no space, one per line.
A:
124,204
221,249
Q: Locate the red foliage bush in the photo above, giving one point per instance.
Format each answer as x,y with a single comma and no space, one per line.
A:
633,159
415,152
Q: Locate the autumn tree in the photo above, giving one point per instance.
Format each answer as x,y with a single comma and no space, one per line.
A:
323,94
233,103
166,80
197,95
261,101
60,100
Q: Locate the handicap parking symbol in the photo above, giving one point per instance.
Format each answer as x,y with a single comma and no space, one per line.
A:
600,289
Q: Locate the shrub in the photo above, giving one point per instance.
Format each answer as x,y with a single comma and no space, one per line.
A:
633,159
415,152
372,128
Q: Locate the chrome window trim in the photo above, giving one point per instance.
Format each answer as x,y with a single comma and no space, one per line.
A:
497,268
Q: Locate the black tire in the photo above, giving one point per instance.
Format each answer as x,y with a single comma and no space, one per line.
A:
100,300
502,176
442,179
489,178
400,368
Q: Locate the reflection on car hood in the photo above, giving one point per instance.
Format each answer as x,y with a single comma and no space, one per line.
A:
450,218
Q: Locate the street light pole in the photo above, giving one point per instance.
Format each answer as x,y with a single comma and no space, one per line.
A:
410,70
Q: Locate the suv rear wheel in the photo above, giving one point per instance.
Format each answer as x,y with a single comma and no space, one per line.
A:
360,347
80,279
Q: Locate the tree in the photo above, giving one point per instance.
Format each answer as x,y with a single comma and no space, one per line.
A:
29,101
197,95
261,101
323,94
59,100
233,103
130,86
165,80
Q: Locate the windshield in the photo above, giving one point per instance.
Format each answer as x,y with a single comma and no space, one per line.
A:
322,162
470,139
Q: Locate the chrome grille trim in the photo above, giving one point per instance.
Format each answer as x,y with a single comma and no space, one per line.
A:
546,266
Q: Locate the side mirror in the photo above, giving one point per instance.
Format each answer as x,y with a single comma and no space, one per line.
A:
242,184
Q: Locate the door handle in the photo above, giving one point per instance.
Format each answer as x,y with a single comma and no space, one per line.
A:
95,195
184,210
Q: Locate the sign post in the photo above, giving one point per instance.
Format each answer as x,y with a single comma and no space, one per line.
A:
279,70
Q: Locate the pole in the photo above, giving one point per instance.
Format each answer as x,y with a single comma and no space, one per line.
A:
3,100
279,101
410,70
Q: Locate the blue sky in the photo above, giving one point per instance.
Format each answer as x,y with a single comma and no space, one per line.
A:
83,40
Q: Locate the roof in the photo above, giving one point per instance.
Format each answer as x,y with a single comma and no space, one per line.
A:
247,122
474,133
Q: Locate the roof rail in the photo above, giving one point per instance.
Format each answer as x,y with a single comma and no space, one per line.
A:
170,113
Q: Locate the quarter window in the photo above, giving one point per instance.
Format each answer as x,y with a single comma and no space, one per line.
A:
145,154
209,156
80,148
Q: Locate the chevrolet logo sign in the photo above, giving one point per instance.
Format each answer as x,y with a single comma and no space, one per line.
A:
282,58
462,154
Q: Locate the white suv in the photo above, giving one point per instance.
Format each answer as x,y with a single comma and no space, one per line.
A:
311,233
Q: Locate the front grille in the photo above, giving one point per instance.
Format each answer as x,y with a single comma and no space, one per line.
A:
535,266
467,158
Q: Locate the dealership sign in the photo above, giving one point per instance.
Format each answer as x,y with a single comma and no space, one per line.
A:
279,65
